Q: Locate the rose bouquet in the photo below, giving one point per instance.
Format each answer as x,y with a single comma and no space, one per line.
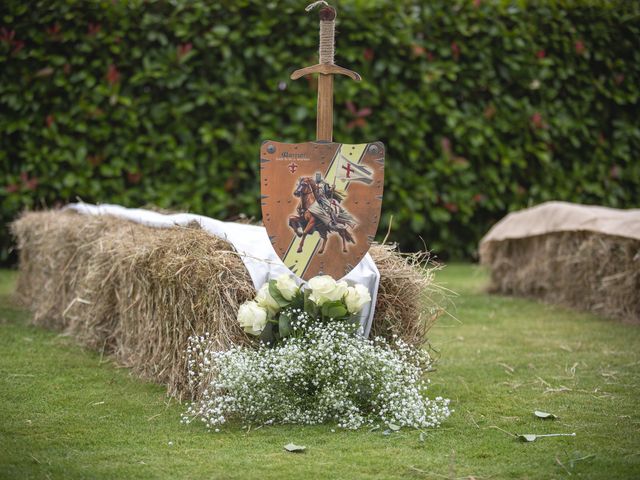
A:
282,309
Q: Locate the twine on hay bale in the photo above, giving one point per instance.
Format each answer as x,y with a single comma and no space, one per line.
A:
584,270
139,292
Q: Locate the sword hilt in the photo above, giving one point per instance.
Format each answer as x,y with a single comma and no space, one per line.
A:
327,35
326,51
326,68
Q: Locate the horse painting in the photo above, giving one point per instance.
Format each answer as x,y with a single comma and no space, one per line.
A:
317,213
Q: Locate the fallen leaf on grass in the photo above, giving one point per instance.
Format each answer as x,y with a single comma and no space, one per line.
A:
544,415
293,448
530,437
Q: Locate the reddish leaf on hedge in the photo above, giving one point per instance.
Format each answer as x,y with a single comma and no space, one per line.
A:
360,115
536,120
67,68
53,30
44,72
541,54
489,112
455,50
93,29
614,173
311,81
12,188
479,197
430,56
418,50
50,119
24,176
7,35
601,139
363,112
460,161
229,184
477,3
579,46
17,46
95,160
618,78
368,54
134,177
451,207
358,122
113,75
31,184
184,49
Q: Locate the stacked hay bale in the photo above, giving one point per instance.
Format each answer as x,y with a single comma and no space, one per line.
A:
139,292
579,256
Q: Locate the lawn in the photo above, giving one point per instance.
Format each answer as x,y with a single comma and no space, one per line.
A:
65,412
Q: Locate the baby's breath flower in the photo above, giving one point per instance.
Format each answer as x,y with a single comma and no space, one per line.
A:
325,375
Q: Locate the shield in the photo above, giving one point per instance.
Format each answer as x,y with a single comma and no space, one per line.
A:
321,203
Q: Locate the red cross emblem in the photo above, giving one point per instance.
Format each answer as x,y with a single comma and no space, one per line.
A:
292,167
348,169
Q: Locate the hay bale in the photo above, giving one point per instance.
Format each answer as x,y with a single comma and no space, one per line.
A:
408,302
585,270
138,292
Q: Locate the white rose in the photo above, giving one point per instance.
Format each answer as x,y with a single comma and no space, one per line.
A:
266,301
287,286
252,317
356,298
326,289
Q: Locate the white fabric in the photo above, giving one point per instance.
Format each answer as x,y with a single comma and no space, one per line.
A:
551,217
251,243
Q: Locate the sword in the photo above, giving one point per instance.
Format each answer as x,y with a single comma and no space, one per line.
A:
326,70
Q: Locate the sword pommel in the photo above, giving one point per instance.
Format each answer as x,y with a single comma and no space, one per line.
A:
327,13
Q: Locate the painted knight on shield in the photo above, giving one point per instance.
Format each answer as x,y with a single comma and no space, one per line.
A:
321,203
321,200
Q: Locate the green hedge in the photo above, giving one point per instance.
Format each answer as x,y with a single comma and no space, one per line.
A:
485,107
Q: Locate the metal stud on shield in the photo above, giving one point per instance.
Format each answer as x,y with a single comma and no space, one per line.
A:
321,200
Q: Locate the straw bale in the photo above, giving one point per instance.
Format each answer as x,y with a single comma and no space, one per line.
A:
138,292
584,270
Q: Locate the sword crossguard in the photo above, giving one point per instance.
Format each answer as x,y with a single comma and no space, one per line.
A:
326,69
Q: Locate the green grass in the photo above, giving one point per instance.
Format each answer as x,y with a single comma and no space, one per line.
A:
67,413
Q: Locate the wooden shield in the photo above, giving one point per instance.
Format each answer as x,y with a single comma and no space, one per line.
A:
321,203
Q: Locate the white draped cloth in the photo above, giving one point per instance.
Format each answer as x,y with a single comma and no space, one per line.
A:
251,242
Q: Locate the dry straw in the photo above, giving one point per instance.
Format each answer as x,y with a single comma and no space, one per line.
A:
589,271
138,292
